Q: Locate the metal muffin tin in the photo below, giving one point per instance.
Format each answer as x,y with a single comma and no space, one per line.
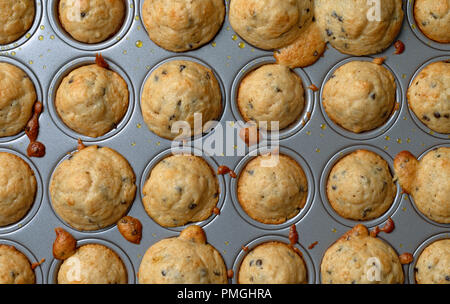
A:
47,53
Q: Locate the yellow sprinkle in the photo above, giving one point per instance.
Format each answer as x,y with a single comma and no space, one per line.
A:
41,37
139,28
20,225
403,209
139,126
399,140
139,44
403,76
432,132
323,126
147,67
401,245
30,62
213,44
28,35
153,234
131,5
241,45
413,26
13,53
387,137
234,37
232,123
125,52
405,118
235,147
228,57
52,37
408,140
224,252
227,243
334,230
44,67
158,143
42,27
386,148
228,28
133,144
308,132
136,18
318,150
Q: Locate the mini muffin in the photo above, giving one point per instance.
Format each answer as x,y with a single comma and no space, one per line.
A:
271,93
360,96
429,96
427,181
433,19
179,25
181,189
351,26
92,100
91,21
356,256
272,188
270,24
273,263
93,189
176,91
305,50
186,259
15,268
360,186
17,188
433,265
16,18
17,98
93,264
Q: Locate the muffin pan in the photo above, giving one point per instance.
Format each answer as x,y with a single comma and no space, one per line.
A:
47,54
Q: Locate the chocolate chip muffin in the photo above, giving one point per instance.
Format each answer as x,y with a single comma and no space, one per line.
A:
271,93
429,96
360,186
91,21
358,258
93,189
93,264
186,259
271,190
305,50
92,100
174,92
181,189
16,18
17,188
17,98
178,25
433,264
351,26
273,263
433,19
360,96
427,181
270,24
15,268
